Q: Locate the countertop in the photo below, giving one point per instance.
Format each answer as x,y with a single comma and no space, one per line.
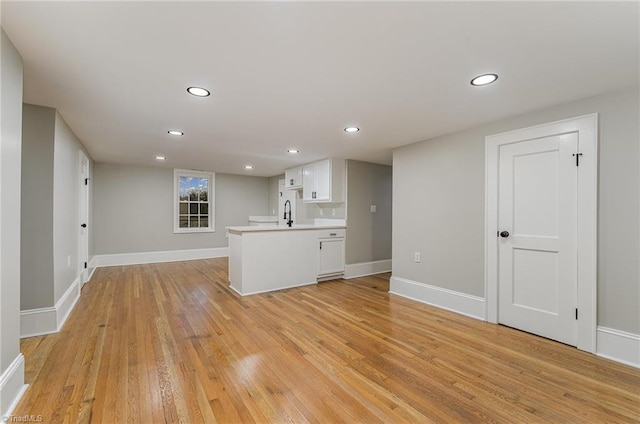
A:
253,228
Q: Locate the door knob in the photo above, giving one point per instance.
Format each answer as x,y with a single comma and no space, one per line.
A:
83,225
504,234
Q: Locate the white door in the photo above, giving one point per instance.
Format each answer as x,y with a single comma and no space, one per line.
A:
83,242
537,236
323,180
293,177
309,182
330,256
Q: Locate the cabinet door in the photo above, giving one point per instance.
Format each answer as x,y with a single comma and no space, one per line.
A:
330,256
309,182
293,178
323,180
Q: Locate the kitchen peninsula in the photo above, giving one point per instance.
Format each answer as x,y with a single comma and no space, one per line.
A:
268,258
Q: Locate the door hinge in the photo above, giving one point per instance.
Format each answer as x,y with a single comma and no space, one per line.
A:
85,265
577,155
576,313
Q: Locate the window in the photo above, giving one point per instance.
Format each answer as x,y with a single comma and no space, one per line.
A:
193,197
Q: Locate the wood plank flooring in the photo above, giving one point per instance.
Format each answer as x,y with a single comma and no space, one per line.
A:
172,343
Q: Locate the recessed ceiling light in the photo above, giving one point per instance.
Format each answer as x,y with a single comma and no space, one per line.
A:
161,157
484,79
175,132
198,91
293,151
248,167
352,129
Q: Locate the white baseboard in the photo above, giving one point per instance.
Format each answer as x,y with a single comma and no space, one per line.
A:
41,321
137,258
618,345
12,386
38,322
462,303
366,268
65,305
271,290
92,270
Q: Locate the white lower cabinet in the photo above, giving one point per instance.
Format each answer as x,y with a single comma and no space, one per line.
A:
264,259
331,253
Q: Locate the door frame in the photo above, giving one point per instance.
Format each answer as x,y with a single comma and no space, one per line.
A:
83,191
587,195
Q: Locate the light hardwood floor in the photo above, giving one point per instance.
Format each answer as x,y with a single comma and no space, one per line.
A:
172,343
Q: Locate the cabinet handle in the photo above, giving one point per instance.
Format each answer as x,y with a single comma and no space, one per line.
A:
332,234
320,245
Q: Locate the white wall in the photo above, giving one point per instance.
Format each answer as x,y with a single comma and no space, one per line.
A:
438,206
274,194
133,209
11,360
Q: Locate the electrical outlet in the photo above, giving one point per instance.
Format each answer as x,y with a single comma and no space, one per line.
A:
416,256
373,208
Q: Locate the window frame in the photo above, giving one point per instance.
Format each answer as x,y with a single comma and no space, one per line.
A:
211,176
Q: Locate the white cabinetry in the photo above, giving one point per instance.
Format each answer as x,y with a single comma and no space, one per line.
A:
308,254
293,178
330,253
324,181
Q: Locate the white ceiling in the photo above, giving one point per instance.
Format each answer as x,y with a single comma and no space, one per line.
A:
294,74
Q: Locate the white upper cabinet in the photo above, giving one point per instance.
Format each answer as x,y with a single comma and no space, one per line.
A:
293,178
324,181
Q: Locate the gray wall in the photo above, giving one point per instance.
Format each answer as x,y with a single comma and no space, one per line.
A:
38,132
368,233
10,146
50,207
133,209
438,204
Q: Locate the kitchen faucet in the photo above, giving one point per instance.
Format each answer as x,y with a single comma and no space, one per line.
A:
289,221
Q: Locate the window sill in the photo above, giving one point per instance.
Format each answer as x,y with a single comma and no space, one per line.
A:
193,230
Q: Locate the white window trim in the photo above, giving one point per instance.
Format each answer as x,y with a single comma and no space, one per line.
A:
177,173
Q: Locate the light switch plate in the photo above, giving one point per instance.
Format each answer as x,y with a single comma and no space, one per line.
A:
373,208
